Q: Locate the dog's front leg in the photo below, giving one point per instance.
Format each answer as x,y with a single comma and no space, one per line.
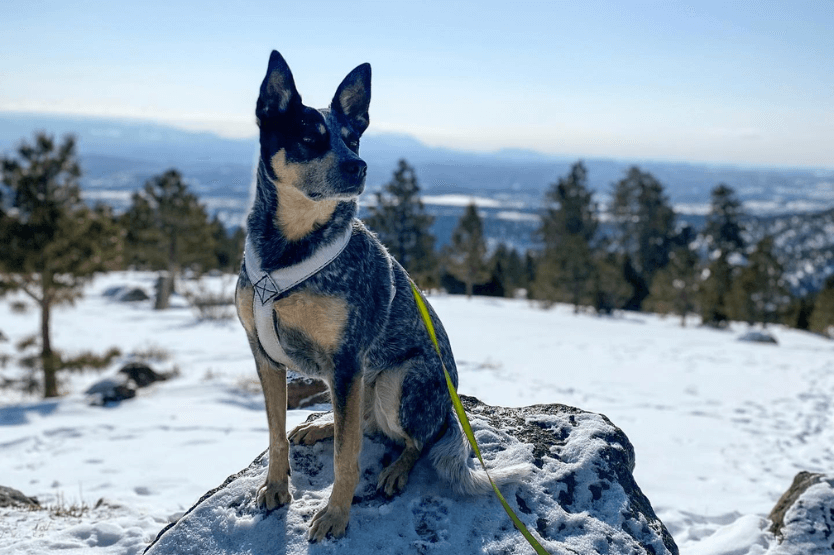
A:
276,490
347,441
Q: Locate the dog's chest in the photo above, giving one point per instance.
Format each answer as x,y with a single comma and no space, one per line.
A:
301,321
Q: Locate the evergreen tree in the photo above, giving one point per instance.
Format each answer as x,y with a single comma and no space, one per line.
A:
646,228
168,230
400,221
51,243
723,236
674,288
465,257
228,246
822,317
610,290
569,225
508,268
759,292
723,230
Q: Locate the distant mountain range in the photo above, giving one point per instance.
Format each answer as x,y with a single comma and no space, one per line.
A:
118,156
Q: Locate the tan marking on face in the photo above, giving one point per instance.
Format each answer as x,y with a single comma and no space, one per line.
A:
345,132
297,215
322,128
320,317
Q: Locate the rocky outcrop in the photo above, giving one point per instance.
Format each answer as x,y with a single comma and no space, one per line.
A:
580,498
115,389
803,518
10,497
305,392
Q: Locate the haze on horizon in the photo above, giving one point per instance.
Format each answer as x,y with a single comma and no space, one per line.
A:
748,83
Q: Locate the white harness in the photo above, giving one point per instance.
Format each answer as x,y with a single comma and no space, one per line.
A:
269,285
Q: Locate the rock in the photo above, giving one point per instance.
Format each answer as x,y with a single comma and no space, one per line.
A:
803,518
133,294
141,374
305,392
109,391
115,389
580,498
758,337
10,497
125,294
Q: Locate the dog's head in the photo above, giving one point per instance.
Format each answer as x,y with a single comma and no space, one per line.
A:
315,152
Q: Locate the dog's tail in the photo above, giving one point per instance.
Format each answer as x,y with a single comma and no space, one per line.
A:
450,456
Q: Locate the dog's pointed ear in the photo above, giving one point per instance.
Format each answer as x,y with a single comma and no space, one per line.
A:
278,90
353,98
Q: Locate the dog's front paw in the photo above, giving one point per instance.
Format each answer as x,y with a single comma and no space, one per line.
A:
311,432
330,521
272,495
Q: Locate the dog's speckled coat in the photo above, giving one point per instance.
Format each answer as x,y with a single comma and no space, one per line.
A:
354,324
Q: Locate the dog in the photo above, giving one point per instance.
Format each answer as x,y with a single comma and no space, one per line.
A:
320,295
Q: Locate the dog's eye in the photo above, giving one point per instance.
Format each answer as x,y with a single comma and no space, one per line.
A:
308,140
353,144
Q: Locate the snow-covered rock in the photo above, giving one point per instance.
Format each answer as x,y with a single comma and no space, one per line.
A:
580,498
803,518
10,497
755,336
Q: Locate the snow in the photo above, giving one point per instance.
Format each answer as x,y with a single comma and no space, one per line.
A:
719,426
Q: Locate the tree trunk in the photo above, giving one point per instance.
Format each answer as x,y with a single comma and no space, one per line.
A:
50,381
164,288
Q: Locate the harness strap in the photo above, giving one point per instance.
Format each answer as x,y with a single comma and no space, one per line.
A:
269,285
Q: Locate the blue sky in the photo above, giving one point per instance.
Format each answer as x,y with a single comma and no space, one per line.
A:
731,82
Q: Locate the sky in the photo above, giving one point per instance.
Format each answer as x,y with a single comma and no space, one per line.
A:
723,82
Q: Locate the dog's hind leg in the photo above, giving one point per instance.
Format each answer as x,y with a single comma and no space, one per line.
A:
347,441
394,477
275,491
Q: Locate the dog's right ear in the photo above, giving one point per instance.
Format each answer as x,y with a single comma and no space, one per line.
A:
278,90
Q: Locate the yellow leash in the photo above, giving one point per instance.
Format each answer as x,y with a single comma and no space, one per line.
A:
464,421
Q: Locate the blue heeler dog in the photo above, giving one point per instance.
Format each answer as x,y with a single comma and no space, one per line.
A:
319,294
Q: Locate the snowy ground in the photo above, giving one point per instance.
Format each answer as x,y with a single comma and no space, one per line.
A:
719,426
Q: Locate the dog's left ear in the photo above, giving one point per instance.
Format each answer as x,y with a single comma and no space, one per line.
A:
353,98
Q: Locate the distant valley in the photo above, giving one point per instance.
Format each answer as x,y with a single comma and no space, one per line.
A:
118,156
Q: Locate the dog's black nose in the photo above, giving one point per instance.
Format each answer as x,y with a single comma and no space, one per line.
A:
355,169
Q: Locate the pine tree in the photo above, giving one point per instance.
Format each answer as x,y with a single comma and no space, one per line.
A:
569,225
674,288
465,257
508,269
646,227
400,221
759,292
51,243
822,317
168,230
723,236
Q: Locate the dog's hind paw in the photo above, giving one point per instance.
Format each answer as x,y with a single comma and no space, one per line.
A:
273,495
311,432
329,521
392,480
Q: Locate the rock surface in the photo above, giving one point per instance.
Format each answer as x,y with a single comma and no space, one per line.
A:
580,498
10,497
803,518
115,389
305,392
754,336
